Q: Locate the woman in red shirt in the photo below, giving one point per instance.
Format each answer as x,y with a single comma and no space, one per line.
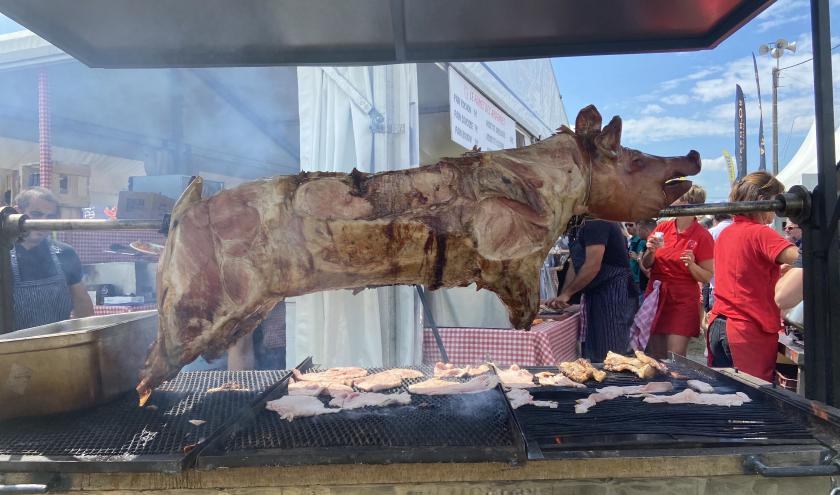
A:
680,262
744,323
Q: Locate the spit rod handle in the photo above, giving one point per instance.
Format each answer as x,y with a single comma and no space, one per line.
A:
23,489
753,465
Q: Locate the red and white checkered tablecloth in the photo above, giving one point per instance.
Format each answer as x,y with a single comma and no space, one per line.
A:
101,310
90,246
546,344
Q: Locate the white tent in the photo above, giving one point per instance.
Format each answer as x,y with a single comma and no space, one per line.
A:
802,168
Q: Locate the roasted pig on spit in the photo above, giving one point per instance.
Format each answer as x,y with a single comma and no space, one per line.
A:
484,218
581,371
643,366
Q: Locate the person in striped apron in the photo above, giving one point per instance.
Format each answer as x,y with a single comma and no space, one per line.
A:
46,274
601,271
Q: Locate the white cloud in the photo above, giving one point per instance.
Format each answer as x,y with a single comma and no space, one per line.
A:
653,129
714,163
676,99
783,12
652,109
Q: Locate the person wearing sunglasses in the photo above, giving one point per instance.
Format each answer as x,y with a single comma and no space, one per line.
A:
793,234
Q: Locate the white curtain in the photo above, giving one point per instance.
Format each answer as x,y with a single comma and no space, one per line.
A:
377,327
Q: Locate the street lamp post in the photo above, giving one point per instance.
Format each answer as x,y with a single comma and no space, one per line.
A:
776,50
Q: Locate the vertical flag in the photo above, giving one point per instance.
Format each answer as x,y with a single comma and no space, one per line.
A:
740,132
729,167
763,163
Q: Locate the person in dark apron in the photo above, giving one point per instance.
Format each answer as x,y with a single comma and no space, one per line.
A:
602,273
46,274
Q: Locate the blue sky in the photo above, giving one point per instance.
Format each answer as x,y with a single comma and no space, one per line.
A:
671,103
675,102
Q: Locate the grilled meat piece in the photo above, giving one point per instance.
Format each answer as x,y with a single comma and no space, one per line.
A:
581,371
519,397
449,370
317,388
516,377
436,386
643,366
702,387
356,400
229,386
484,218
610,393
332,375
689,396
551,380
385,380
290,407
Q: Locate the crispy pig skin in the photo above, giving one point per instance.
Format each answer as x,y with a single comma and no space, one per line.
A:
484,218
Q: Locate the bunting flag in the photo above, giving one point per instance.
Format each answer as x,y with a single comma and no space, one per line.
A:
762,165
740,132
729,167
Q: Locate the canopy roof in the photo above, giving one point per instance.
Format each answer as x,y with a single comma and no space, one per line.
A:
215,33
805,160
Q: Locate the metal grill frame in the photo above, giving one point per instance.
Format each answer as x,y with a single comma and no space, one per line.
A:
823,420
173,464
213,455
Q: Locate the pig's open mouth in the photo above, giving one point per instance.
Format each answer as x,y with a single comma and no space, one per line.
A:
674,189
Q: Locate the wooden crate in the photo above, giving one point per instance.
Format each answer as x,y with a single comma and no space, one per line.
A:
70,183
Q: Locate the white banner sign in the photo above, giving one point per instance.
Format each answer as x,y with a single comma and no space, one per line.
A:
475,121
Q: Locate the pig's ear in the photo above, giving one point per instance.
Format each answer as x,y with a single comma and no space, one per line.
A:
588,122
608,141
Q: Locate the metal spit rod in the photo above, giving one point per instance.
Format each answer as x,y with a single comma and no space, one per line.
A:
794,203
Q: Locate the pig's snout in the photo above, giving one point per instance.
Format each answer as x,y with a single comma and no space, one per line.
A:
685,166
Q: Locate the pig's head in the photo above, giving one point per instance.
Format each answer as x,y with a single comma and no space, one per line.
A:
628,185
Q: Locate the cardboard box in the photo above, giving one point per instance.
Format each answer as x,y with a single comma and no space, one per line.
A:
143,205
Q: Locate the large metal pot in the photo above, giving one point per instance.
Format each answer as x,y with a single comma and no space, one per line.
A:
72,364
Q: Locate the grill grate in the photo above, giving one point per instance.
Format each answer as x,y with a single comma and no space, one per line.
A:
120,430
446,420
630,422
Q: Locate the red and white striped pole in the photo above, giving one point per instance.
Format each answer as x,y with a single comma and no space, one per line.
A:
45,144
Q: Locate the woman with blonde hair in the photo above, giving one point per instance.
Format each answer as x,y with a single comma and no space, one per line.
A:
744,323
679,256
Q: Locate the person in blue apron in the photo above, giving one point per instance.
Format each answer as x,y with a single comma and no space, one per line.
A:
46,274
601,271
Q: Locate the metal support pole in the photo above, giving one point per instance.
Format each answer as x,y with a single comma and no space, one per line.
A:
820,251
421,292
44,132
776,119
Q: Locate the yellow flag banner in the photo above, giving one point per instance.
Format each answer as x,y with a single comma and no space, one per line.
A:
730,167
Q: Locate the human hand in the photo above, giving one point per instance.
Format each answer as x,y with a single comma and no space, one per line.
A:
634,255
559,302
688,257
653,243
